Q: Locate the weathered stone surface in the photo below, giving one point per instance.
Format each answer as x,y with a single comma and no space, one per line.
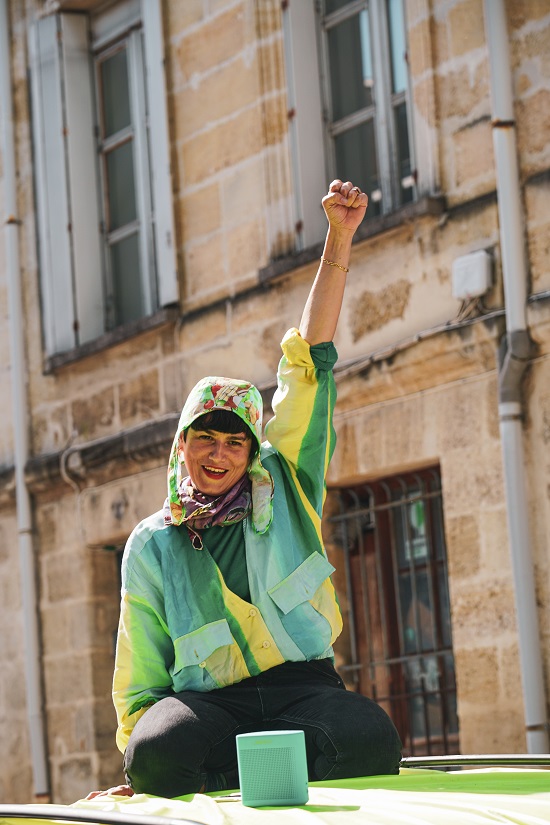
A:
375,310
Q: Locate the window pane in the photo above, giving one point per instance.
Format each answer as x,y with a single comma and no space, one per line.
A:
120,186
350,89
356,160
398,46
126,279
403,153
334,5
115,93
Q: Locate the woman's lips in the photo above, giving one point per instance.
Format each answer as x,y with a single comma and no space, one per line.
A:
211,472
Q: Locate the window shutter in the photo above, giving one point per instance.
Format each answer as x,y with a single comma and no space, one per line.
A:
161,179
66,182
51,187
306,126
83,181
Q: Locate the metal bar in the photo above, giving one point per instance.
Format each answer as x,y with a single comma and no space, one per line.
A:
498,760
69,814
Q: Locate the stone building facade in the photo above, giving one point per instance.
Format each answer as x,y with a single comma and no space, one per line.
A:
235,104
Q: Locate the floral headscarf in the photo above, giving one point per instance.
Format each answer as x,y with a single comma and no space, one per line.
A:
239,398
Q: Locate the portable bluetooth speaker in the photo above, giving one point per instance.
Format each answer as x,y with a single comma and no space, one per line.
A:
272,768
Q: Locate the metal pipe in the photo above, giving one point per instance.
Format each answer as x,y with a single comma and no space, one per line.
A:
33,674
513,360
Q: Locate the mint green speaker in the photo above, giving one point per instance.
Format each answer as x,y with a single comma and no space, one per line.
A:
272,768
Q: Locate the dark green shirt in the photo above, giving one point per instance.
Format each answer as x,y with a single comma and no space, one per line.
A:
227,548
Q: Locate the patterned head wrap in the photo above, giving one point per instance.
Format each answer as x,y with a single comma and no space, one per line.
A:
238,398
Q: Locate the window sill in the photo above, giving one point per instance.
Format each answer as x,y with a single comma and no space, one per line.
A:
428,205
166,315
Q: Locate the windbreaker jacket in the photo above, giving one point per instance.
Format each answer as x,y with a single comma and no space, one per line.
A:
180,627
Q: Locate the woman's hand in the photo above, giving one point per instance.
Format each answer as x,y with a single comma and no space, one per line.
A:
119,790
344,206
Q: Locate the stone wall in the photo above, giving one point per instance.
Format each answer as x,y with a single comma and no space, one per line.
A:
417,383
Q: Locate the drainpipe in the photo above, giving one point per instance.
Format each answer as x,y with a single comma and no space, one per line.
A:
514,357
33,674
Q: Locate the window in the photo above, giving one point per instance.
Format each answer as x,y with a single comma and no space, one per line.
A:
105,219
393,542
363,122
365,95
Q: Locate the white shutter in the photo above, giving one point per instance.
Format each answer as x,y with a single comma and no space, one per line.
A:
161,179
51,187
66,182
306,127
83,182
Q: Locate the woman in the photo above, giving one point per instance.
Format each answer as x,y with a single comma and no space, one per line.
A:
228,612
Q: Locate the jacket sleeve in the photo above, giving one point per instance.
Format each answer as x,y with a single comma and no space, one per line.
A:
144,653
301,430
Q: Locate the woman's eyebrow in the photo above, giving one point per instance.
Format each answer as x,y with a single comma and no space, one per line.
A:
240,436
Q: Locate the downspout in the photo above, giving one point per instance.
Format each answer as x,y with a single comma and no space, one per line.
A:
33,674
514,357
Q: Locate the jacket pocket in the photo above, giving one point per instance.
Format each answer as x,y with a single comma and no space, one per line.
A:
194,648
302,584
208,658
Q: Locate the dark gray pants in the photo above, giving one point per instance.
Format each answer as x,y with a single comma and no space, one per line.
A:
186,742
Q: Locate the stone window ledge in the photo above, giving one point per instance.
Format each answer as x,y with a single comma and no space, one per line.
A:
428,205
166,315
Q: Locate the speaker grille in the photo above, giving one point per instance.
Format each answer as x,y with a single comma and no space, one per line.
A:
269,772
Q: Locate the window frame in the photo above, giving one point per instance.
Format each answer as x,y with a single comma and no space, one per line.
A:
384,104
71,257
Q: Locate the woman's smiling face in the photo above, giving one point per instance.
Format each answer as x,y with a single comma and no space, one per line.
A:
215,461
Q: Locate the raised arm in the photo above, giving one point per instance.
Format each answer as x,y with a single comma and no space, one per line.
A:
345,206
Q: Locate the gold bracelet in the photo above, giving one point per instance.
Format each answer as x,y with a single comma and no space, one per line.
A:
333,263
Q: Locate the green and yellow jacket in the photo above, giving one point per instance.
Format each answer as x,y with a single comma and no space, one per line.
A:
181,627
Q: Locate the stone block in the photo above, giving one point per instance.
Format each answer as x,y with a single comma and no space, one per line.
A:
110,768
510,672
473,157
61,690
94,415
275,119
171,382
420,49
73,778
483,471
245,249
242,192
199,213
484,612
533,125
268,17
50,429
110,513
55,629
217,40
225,145
46,524
374,310
220,94
180,16
495,549
205,267
63,577
463,94
459,417
463,546
521,12
497,731
466,28
477,675
271,59
200,331
139,398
